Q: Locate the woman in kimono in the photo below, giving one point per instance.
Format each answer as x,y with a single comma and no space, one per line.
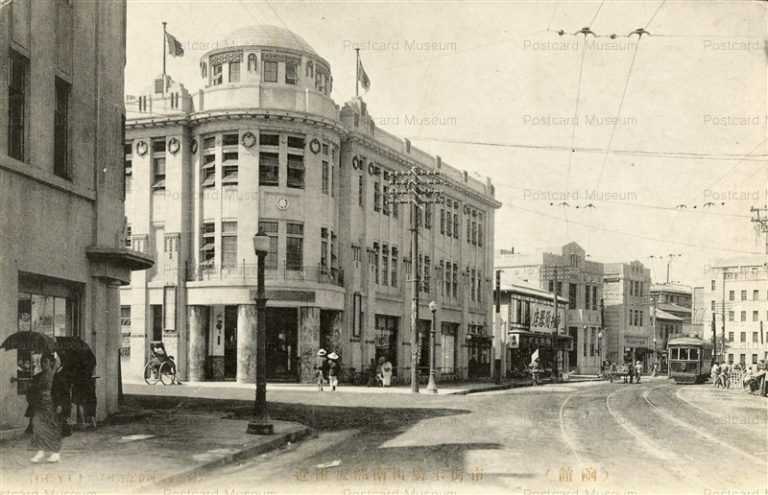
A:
46,423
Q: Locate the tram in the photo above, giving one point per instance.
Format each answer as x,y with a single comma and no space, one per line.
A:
690,359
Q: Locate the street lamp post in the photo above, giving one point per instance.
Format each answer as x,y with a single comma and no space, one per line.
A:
432,385
260,425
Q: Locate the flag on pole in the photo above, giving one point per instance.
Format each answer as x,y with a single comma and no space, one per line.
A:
174,47
362,77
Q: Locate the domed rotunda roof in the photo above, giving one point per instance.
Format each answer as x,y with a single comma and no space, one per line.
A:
268,35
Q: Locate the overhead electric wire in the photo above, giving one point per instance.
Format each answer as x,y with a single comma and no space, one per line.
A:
629,234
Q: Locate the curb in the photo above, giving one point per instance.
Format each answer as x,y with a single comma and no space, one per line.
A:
195,472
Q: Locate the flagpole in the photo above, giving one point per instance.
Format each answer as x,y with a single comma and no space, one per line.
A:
357,73
164,42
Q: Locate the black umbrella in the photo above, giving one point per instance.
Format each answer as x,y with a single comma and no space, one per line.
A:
76,357
29,341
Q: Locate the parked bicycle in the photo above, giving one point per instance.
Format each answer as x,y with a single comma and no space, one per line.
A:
160,367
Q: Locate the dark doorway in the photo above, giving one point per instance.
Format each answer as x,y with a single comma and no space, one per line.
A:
230,342
282,356
573,353
479,362
425,327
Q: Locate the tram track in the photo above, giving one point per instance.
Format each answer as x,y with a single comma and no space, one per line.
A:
660,411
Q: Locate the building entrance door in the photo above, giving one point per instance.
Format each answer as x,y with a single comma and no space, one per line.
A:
282,356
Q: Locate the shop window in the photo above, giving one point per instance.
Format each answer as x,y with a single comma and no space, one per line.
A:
386,338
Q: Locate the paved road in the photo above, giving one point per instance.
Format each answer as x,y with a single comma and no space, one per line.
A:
580,439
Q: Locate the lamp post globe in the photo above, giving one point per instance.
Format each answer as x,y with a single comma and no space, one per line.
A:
261,243
432,384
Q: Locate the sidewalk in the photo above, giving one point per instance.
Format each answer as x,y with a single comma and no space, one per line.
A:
461,388
140,451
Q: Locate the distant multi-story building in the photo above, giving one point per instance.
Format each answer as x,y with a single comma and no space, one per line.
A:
62,253
529,321
628,326
262,145
736,292
576,278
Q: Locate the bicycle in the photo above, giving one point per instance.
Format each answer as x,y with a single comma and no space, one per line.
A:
161,367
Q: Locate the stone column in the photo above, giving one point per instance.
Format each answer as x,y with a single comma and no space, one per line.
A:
309,341
246,343
197,317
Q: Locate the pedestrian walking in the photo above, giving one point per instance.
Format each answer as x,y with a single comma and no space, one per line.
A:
725,370
321,365
386,372
333,370
631,372
715,374
612,371
638,370
46,420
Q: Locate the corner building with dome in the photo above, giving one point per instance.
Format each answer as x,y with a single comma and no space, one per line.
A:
263,145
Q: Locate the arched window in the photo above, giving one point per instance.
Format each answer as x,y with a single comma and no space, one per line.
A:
203,70
252,65
310,70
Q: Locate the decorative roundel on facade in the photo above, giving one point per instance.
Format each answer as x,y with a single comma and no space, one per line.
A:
142,148
314,146
174,145
248,139
193,146
282,204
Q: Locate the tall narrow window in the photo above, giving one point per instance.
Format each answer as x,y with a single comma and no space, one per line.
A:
360,192
208,244
296,171
269,169
442,221
252,62
158,164
427,274
393,263
376,196
428,216
270,228
455,222
572,294
385,200
325,177
17,105
455,280
228,244
480,230
324,250
447,278
292,72
229,160
61,130
217,74
270,71
294,246
234,71
128,167
384,265
375,255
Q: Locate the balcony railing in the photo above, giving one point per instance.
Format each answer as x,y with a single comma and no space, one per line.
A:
248,272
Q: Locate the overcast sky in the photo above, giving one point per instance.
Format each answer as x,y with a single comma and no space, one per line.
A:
498,72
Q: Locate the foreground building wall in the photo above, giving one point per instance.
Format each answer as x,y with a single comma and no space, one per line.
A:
263,145
61,186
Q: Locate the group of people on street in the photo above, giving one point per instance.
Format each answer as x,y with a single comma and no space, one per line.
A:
751,378
630,373
327,369
50,397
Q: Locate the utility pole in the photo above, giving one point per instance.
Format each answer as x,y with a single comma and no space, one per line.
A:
760,217
416,188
